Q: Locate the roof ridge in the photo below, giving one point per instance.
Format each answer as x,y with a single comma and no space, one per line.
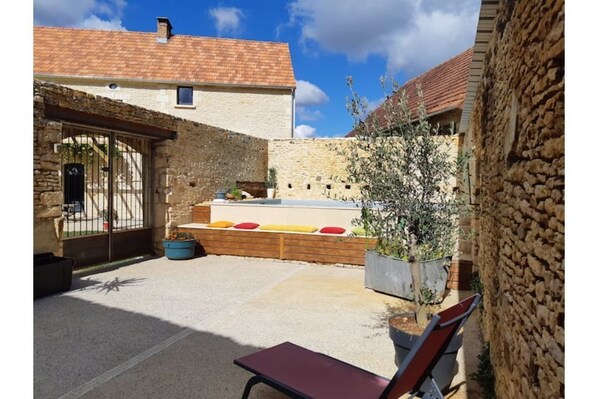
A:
154,33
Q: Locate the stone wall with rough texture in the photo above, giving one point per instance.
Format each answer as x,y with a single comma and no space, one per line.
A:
310,168
47,183
185,171
517,131
202,159
260,112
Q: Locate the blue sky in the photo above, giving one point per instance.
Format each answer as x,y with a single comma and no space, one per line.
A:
329,40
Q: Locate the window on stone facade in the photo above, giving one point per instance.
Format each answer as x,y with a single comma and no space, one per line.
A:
184,95
113,86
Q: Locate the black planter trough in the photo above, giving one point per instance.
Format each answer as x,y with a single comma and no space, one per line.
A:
51,274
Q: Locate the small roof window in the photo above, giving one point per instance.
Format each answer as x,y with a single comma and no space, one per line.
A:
113,86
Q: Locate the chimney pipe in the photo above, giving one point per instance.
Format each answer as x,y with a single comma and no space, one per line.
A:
164,30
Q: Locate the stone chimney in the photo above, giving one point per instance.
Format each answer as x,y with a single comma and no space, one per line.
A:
164,30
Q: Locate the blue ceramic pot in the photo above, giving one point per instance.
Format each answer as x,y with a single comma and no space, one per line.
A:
179,249
220,195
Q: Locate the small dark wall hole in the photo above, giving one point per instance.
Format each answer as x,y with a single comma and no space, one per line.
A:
347,187
328,186
289,185
309,186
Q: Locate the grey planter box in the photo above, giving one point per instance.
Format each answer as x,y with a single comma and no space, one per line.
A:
392,276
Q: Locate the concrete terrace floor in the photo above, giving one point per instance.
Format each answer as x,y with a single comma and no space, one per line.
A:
171,329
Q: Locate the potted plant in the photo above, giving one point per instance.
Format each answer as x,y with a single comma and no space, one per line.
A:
405,171
220,194
271,182
105,214
234,193
179,245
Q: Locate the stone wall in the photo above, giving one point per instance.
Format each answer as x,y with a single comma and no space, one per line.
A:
202,159
47,184
185,171
517,132
310,168
265,113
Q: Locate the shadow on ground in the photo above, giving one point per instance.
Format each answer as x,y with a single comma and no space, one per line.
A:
76,341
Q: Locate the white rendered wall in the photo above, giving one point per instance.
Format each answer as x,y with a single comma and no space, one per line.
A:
265,113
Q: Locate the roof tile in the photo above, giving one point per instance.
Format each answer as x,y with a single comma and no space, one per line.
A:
443,87
136,55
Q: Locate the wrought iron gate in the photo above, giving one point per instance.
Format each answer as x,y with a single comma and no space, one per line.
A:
106,192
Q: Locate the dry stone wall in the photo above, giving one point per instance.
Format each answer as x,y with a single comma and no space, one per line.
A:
517,130
186,170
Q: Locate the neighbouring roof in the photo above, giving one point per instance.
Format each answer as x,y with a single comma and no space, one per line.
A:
67,52
443,87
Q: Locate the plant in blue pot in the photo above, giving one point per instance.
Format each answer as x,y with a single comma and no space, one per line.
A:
179,245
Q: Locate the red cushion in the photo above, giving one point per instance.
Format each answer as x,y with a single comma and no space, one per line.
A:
332,230
246,226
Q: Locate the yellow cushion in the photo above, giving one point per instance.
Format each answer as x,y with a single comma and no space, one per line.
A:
289,227
221,223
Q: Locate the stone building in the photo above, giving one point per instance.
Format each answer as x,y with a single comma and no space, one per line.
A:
241,85
513,122
149,166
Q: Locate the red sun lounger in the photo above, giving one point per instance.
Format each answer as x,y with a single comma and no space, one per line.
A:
301,373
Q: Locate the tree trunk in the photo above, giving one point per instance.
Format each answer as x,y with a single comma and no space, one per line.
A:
416,280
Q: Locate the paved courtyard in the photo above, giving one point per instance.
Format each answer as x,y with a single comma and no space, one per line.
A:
171,329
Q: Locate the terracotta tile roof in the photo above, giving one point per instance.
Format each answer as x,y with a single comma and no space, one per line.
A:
136,55
444,87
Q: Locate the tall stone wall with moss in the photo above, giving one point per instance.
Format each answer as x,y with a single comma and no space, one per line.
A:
517,133
185,171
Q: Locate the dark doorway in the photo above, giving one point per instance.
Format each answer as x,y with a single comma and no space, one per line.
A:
74,187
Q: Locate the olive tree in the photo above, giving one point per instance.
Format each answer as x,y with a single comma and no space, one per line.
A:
406,169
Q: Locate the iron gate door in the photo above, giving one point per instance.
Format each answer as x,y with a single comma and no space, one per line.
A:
106,192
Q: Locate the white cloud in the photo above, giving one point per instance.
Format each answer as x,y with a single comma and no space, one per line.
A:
373,104
227,19
94,22
304,131
309,94
413,35
306,114
90,14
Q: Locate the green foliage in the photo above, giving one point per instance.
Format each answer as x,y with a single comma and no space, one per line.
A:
406,173
476,283
106,215
484,374
236,192
478,287
175,235
272,180
73,151
428,296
